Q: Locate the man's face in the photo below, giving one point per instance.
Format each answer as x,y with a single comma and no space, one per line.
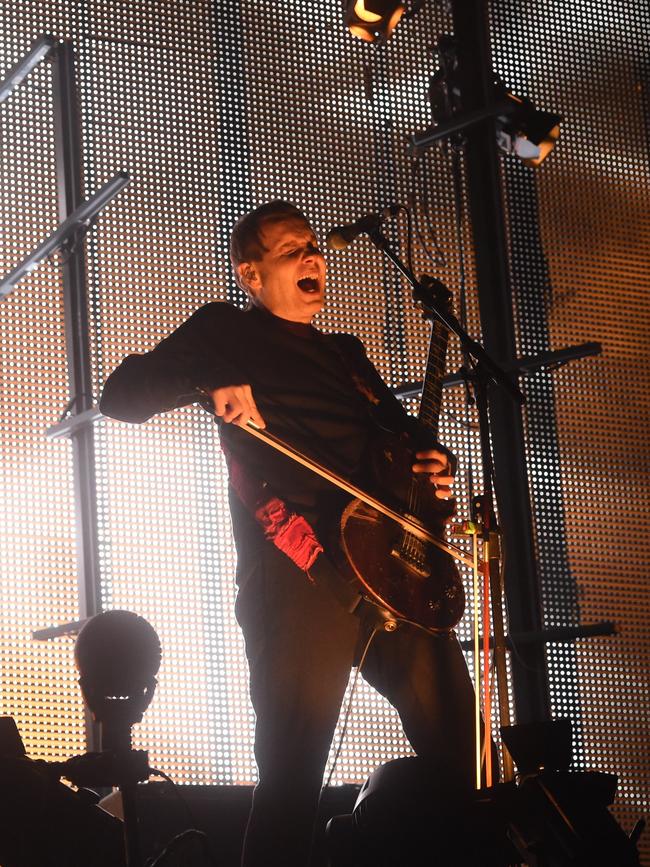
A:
289,279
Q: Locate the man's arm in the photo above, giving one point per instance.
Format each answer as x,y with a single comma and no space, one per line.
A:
182,369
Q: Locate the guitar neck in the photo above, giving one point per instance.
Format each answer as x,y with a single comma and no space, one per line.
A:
431,401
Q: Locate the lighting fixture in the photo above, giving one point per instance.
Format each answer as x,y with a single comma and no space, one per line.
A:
373,20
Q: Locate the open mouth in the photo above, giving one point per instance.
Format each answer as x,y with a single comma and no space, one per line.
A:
309,285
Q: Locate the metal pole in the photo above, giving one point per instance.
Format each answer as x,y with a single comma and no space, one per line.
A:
70,195
529,673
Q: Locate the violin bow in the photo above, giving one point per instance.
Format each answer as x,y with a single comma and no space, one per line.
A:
408,523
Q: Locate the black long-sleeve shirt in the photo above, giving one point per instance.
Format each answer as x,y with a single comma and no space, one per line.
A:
313,390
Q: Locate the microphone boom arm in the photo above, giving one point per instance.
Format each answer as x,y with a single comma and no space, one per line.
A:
424,297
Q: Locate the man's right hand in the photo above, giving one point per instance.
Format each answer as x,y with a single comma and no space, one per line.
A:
234,403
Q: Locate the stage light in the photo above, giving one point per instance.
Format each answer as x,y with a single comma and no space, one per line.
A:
371,20
521,128
117,654
527,131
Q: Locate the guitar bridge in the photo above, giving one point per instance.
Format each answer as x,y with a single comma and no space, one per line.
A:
411,561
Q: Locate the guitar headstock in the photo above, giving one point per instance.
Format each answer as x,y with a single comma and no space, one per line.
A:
434,294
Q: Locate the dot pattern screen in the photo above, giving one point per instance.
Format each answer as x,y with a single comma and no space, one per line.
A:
222,108
581,275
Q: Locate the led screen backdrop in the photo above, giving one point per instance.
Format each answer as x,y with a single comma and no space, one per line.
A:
583,264
214,108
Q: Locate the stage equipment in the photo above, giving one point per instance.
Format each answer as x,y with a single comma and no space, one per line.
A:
551,360
339,237
373,20
410,809
118,656
453,112
558,817
67,234
18,73
407,815
481,372
45,823
520,127
525,130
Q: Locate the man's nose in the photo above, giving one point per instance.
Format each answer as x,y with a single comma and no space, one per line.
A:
311,252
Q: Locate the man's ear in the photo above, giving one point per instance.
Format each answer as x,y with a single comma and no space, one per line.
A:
248,277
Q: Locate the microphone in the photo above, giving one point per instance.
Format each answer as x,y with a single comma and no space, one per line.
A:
339,237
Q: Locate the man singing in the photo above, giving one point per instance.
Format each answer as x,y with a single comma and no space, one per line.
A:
302,626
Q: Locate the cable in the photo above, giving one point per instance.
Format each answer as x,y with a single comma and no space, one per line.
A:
409,234
349,706
440,254
177,792
437,260
180,840
470,425
458,213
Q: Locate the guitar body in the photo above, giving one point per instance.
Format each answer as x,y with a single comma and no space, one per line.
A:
412,579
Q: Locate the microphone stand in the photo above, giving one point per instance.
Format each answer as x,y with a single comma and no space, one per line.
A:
484,372
117,765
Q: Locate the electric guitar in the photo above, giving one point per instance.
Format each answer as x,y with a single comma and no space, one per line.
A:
408,575
391,540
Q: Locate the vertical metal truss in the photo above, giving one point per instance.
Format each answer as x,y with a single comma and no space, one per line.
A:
531,288
530,681
70,195
38,556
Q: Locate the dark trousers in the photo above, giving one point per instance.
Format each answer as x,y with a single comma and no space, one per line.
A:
301,643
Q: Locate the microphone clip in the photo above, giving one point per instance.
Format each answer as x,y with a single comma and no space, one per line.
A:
340,237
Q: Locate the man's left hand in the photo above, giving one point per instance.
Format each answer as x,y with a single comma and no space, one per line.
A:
436,465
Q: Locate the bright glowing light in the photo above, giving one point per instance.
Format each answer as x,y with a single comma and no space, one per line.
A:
365,14
362,33
394,20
